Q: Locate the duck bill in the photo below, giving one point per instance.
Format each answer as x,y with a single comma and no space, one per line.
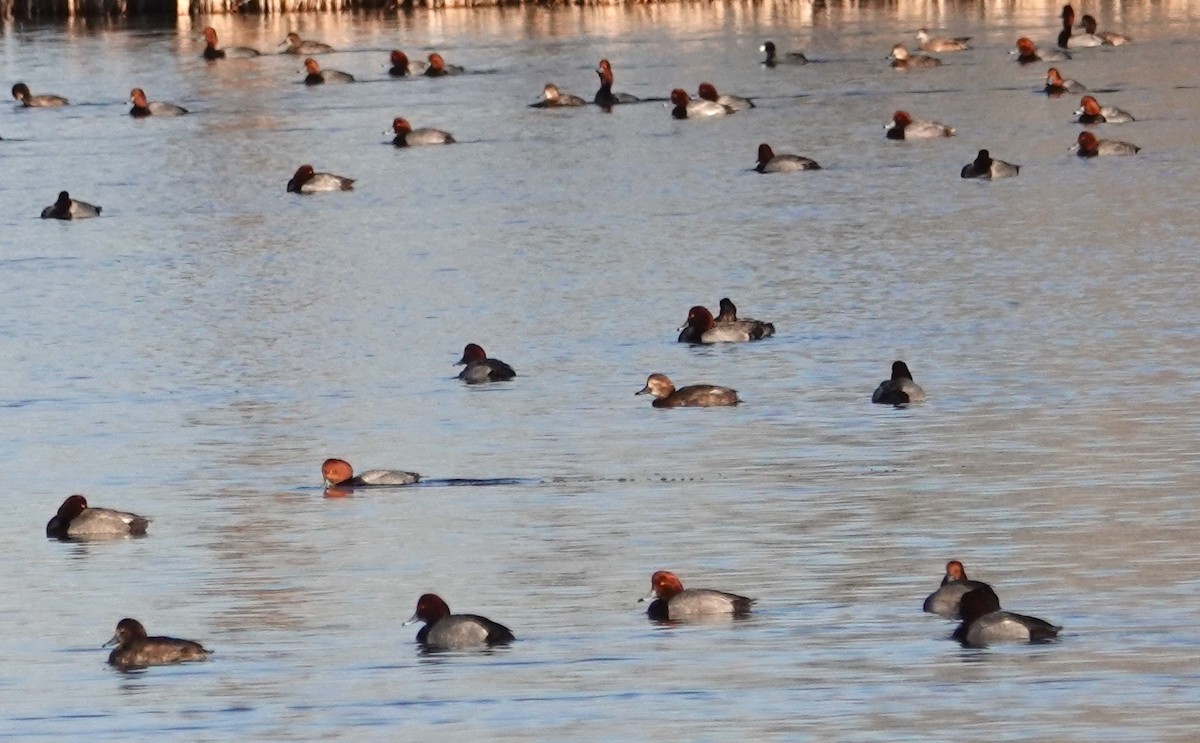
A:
648,597
643,391
411,620
114,640
1073,148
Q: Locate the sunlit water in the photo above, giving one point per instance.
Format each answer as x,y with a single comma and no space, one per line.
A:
195,353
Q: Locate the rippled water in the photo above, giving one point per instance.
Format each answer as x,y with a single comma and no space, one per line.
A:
194,354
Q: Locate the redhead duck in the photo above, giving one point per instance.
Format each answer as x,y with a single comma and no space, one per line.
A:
686,108
605,97
1088,146
769,162
702,327
729,313
1091,112
941,43
317,76
944,601
900,389
552,97
211,52
774,59
134,650
75,520
904,126
68,208
708,92
406,136
1056,84
673,603
692,396
401,67
479,368
984,623
21,92
438,67
446,631
296,45
306,180
339,473
988,168
143,108
902,60
1028,53
1109,38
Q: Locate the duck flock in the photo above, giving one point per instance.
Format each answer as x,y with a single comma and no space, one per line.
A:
975,604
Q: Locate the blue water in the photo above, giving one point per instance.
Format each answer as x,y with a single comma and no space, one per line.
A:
194,354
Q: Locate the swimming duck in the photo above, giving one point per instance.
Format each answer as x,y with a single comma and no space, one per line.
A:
306,180
729,313
339,473
1091,112
702,327
686,108
1088,146
904,126
401,67
605,97
769,162
76,520
68,208
673,603
296,45
21,92
1028,53
773,59
984,623
902,60
1067,39
1110,38
480,369
406,136
446,631
708,92
988,168
941,43
1056,84
900,389
944,601
211,52
317,76
135,650
438,67
552,97
692,396
143,108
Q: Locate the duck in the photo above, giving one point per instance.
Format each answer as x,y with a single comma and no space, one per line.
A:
671,602
1091,112
21,92
211,52
1028,53
143,108
135,650
296,45
76,520
1088,146
1066,39
902,60
769,162
446,631
438,67
1056,84
686,108
307,180
900,389
552,97
988,168
702,327
773,59
729,313
406,136
401,67
68,208
317,76
692,396
1110,38
708,92
984,623
904,126
605,97
480,369
929,43
337,473
944,601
